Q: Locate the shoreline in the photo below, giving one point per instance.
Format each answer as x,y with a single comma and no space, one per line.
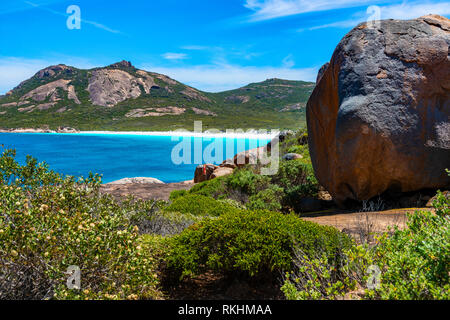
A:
251,134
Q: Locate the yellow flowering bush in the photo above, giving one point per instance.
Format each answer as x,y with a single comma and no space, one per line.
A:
49,222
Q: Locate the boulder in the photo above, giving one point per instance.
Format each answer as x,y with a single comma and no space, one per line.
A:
250,156
228,163
379,117
204,172
292,156
221,171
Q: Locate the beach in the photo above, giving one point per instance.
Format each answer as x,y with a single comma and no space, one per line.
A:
238,134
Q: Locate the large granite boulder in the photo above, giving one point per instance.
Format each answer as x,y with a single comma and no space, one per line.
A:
379,117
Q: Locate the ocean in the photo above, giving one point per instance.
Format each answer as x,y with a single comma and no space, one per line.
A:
117,156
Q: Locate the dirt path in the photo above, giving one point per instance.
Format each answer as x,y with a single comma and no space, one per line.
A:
359,224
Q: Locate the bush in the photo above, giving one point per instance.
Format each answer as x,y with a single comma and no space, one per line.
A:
269,199
49,222
212,188
199,205
250,243
414,263
247,181
177,193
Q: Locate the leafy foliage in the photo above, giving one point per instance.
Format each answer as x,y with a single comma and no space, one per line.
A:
49,222
414,263
199,205
249,242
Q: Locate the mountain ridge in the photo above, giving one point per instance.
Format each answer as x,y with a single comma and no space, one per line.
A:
121,96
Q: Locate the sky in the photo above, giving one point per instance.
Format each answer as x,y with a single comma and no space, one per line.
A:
212,45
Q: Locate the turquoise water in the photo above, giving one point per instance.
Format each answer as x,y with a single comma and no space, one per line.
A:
121,156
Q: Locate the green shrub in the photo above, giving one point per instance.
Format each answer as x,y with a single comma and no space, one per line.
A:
212,188
49,222
269,199
414,263
247,181
199,205
294,173
249,242
177,193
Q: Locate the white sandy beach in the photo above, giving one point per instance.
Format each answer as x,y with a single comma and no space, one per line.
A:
239,134
228,134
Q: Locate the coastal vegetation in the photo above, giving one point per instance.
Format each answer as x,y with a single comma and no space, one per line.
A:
243,226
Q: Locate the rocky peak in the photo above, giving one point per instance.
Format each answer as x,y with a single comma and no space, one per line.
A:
53,71
121,64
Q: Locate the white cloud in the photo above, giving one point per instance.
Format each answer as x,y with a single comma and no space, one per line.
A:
15,70
195,47
215,78
175,56
288,61
271,9
402,11
414,10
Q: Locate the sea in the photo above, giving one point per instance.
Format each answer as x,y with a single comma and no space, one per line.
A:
117,156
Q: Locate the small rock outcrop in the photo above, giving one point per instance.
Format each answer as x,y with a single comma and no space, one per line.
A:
379,117
49,90
292,156
109,87
137,180
204,172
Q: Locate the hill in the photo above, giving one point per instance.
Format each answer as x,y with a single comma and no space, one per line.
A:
123,98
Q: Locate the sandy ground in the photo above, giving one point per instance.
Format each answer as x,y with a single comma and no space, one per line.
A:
146,191
249,134
360,224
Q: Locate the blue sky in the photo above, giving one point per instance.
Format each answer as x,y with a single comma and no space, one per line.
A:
212,45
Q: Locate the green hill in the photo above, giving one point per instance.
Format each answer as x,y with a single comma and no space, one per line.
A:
123,98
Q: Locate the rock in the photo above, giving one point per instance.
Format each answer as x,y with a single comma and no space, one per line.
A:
11,104
250,156
66,130
109,87
49,90
292,156
237,99
322,71
204,172
379,117
292,107
310,205
155,112
137,180
122,64
325,196
284,134
221,171
194,94
204,112
229,163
